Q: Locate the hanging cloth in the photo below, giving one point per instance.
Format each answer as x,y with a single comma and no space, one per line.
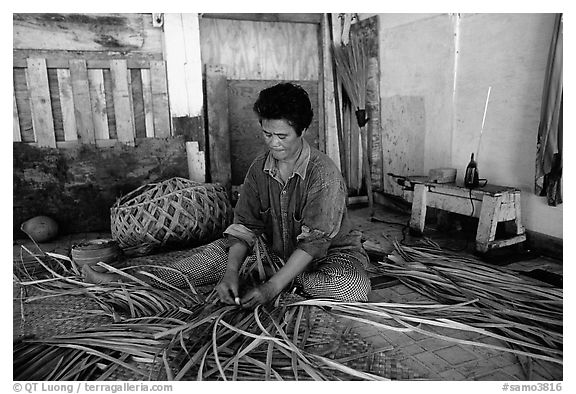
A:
549,148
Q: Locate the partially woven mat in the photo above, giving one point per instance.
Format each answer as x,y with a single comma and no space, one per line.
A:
60,315
332,337
47,317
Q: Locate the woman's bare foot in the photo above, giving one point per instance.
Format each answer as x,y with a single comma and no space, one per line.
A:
95,277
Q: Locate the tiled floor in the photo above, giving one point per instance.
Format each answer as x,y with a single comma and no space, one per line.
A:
428,357
438,359
434,358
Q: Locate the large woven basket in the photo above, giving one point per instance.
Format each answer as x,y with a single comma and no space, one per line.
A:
173,212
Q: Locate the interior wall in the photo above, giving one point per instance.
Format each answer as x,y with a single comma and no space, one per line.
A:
433,102
416,88
510,56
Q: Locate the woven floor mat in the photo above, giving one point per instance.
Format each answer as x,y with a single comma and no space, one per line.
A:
329,336
47,317
342,343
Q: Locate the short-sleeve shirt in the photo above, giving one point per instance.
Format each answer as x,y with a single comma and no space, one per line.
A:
308,212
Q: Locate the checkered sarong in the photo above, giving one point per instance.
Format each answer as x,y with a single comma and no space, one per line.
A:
339,275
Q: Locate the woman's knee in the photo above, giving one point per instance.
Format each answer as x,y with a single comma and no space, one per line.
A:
343,282
355,286
206,265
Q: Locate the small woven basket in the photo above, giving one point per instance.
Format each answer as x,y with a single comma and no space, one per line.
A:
176,211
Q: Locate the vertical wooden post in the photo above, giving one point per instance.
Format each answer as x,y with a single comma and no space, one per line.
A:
196,162
332,100
160,98
366,168
488,221
183,63
40,103
16,137
346,124
418,217
518,219
373,126
218,127
98,99
147,98
355,146
137,96
122,101
82,106
321,91
67,105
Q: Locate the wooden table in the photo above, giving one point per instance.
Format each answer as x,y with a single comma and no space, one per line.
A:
491,204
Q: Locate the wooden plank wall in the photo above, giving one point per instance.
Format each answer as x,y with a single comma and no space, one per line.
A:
89,78
261,50
40,107
88,35
255,54
219,138
97,102
246,140
267,51
91,116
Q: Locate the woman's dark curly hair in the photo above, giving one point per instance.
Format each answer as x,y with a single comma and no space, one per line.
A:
285,101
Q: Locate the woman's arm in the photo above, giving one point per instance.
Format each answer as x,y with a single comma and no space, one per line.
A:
227,289
295,265
241,237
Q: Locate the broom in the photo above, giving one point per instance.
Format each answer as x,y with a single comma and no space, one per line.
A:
352,69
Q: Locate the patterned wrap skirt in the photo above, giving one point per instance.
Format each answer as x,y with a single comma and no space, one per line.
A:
340,275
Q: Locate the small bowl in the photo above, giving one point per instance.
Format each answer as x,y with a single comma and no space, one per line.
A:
94,251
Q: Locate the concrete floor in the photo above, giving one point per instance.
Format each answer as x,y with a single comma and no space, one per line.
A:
427,357
437,359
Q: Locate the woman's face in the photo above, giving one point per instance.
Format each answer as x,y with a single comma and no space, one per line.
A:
281,138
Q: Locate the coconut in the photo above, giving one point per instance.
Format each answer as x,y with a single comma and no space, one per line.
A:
40,228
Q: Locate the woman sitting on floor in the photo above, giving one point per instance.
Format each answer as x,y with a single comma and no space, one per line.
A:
294,197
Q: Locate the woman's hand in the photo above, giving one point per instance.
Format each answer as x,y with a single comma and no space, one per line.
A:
260,295
227,289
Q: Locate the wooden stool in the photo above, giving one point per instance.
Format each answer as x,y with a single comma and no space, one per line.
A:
491,204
